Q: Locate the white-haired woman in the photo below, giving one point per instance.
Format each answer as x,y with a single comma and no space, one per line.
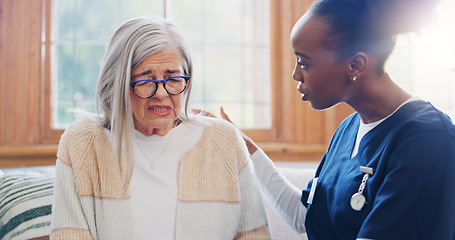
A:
143,169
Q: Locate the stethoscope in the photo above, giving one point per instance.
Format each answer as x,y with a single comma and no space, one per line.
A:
358,200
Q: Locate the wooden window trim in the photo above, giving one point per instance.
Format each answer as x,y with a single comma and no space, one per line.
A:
50,135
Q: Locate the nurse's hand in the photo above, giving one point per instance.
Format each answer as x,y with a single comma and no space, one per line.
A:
251,145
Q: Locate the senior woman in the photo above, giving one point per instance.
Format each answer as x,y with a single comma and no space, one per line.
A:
143,169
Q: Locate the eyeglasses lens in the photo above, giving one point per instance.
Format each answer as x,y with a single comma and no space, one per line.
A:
174,86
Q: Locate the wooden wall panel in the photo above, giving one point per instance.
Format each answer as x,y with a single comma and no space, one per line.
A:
20,85
20,34
3,74
285,63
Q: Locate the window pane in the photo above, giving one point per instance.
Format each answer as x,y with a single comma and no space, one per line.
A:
81,33
77,73
230,42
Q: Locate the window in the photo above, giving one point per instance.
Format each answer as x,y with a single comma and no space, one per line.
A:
229,40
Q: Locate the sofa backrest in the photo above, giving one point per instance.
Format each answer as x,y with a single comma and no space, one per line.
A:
26,202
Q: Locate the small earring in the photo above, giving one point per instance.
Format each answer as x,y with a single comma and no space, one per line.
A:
354,78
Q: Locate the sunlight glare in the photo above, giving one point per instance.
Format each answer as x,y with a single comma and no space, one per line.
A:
424,62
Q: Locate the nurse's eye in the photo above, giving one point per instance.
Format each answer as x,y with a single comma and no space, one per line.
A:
301,63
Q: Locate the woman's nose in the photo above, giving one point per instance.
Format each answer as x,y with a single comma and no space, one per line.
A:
161,91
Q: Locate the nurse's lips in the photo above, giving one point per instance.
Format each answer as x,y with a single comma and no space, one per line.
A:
302,94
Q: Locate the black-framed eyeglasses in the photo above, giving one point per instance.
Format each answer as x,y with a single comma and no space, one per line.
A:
146,88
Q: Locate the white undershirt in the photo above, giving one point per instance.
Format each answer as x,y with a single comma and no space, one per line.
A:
364,128
154,192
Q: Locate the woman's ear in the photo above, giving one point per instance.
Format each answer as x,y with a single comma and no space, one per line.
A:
357,65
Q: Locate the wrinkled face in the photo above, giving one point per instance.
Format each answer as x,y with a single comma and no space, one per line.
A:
156,115
322,78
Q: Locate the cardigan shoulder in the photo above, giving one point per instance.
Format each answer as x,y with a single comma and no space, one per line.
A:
225,137
209,172
79,137
87,150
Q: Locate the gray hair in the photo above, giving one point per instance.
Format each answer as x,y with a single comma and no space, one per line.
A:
135,40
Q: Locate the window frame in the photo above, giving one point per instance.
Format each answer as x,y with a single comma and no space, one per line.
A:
52,135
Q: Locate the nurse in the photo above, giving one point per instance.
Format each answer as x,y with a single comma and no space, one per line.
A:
389,171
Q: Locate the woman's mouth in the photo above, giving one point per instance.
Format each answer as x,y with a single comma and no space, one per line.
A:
160,110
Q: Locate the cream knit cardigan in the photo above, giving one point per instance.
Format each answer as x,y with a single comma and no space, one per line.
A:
218,197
